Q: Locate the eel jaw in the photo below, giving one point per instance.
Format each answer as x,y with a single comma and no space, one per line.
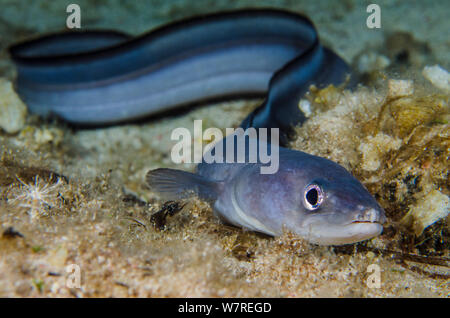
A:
343,234
366,225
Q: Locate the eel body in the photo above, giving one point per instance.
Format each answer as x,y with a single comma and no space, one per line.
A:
310,196
93,78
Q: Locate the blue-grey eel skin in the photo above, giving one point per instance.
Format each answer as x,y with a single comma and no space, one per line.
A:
108,77
96,78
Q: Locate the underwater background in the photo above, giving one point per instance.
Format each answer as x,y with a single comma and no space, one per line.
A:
75,199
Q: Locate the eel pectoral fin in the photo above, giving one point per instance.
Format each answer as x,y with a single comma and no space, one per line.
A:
175,184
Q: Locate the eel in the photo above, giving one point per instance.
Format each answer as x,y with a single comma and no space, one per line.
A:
313,197
102,77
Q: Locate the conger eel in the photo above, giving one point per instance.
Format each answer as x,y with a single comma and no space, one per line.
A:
95,78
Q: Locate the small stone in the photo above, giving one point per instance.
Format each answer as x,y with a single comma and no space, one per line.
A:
13,111
371,62
438,76
428,210
400,88
374,148
58,257
305,107
370,255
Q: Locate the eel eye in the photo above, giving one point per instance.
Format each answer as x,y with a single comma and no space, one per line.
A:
313,197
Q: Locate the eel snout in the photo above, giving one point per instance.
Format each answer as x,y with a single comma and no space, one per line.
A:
370,215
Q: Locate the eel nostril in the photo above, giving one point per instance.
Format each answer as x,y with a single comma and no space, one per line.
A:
371,215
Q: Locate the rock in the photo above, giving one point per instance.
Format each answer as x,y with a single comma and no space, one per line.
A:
371,62
438,76
428,210
305,107
374,148
400,88
13,111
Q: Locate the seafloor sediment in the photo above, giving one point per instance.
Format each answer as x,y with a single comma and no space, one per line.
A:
77,197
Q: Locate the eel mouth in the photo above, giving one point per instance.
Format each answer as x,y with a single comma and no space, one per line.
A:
370,216
365,222
364,225
346,234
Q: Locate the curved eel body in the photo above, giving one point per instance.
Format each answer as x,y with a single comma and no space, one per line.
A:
108,77
93,78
